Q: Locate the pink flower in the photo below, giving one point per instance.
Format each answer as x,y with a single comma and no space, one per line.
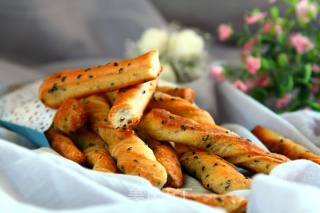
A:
315,88
217,73
278,29
272,1
250,84
224,32
283,101
267,27
306,10
240,85
301,43
252,19
315,68
263,81
252,64
248,46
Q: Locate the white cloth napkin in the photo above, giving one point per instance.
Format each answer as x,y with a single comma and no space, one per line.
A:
291,187
41,181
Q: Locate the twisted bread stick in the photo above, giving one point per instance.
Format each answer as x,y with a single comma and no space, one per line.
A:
165,126
167,156
98,157
213,172
180,106
182,92
130,104
279,144
232,203
84,82
69,117
65,146
133,156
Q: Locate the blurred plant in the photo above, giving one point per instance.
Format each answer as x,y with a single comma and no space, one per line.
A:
280,56
182,52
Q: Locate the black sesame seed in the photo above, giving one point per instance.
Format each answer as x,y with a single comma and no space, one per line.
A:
228,184
203,168
115,64
208,145
219,199
79,76
90,76
183,127
120,70
63,78
53,89
205,138
143,91
129,148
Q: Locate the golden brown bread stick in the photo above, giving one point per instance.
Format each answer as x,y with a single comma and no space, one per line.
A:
164,126
213,172
279,144
133,156
65,146
111,96
180,106
231,203
112,76
182,92
167,156
70,116
97,154
97,108
130,104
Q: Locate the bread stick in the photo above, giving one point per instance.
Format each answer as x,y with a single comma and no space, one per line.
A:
111,96
164,126
70,116
112,76
130,104
133,156
182,92
98,157
279,144
180,107
231,203
213,172
167,156
65,146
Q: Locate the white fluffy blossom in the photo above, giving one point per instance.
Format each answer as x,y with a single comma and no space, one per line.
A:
185,44
153,39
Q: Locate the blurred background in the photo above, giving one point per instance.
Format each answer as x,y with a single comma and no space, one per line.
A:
37,32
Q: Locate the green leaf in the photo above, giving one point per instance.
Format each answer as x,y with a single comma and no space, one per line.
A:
284,82
282,60
259,94
274,11
314,105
